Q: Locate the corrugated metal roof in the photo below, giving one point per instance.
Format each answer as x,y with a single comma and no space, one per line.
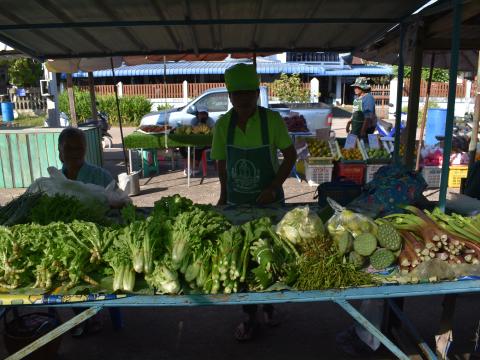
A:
90,28
218,68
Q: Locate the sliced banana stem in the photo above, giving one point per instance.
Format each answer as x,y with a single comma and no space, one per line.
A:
475,261
429,245
442,256
469,251
444,237
425,252
468,258
432,254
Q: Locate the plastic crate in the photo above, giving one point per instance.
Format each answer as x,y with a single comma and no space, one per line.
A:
456,174
318,174
371,171
432,175
353,172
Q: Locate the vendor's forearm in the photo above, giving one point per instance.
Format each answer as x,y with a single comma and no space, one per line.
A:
289,158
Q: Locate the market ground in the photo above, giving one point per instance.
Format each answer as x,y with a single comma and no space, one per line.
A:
308,331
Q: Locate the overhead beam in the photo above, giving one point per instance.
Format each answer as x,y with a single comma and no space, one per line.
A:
62,16
68,23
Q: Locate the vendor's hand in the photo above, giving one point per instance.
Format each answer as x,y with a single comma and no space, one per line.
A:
363,133
267,196
347,129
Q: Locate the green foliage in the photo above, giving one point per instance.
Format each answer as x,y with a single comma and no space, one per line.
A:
132,108
439,75
290,89
161,107
25,72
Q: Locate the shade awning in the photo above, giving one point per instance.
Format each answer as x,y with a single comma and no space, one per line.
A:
89,28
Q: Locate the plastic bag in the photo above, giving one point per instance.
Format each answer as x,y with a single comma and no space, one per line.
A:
57,183
301,225
346,220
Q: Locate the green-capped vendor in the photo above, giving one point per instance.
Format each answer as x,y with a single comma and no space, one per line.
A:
245,144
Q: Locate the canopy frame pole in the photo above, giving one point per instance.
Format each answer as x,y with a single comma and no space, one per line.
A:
117,101
414,98
452,86
476,119
93,100
425,109
398,110
71,101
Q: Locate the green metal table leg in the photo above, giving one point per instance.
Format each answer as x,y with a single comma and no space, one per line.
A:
58,331
429,353
357,316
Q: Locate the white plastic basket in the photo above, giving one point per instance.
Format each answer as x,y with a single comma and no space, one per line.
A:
371,171
432,175
318,174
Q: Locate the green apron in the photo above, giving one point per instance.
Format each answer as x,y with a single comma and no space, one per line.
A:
249,170
357,117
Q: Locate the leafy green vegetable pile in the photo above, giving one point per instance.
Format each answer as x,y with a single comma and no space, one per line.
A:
180,248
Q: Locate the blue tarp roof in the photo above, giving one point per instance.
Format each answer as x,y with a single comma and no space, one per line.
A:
218,68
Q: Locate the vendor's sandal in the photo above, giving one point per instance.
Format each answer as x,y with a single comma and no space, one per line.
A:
273,318
246,331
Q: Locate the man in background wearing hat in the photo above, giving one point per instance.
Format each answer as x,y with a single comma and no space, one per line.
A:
245,144
364,120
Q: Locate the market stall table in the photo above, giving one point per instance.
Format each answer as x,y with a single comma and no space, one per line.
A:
141,141
95,303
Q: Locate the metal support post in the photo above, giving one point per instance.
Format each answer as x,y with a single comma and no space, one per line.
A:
398,110
429,353
452,86
55,333
357,316
414,98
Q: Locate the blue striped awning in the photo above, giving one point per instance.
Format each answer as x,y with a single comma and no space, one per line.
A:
369,70
206,68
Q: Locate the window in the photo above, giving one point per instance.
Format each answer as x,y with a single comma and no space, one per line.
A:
214,102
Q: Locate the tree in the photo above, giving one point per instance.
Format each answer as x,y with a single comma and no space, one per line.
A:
25,72
439,75
290,89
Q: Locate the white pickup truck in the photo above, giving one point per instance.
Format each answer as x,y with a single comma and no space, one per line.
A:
317,115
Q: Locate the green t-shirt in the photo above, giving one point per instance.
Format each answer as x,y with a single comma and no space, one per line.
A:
252,137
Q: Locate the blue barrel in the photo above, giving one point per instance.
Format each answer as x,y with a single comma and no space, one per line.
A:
436,119
7,111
